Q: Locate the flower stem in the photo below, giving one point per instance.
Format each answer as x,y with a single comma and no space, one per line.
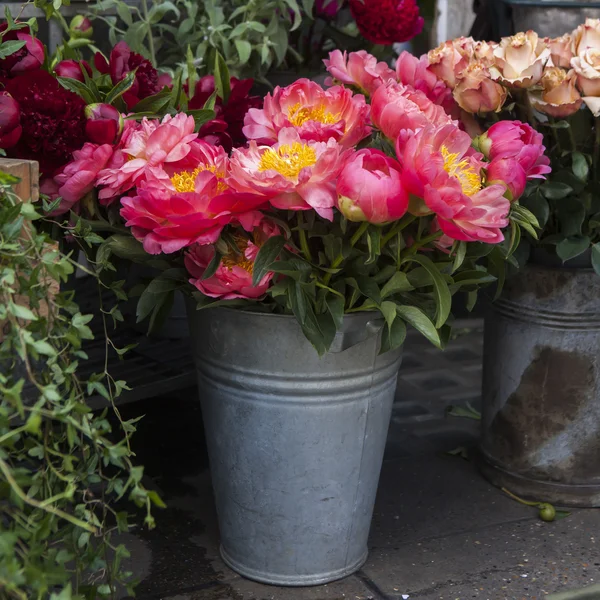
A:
397,228
150,38
303,238
353,240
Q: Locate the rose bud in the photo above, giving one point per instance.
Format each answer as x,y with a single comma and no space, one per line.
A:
80,27
73,69
10,121
104,123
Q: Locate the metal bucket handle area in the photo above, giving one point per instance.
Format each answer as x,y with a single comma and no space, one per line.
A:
352,334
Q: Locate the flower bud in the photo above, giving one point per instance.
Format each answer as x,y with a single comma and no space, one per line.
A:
80,27
73,69
10,121
104,123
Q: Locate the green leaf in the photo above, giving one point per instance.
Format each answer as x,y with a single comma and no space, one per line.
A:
155,104
10,47
596,258
369,288
421,322
397,283
191,71
580,166
43,347
571,216
308,5
222,79
538,205
461,252
555,191
442,293
572,247
393,337
244,49
296,12
335,306
212,267
388,310
121,87
201,116
374,244
77,87
22,312
266,256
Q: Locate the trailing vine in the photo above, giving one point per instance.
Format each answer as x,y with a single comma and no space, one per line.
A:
65,473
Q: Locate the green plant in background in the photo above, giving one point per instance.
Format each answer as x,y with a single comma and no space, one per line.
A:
62,467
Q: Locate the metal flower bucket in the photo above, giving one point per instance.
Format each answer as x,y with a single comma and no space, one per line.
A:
541,386
295,441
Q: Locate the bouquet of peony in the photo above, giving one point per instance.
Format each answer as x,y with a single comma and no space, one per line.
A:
553,86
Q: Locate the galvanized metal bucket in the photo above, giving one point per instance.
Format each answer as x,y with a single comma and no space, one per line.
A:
541,386
295,442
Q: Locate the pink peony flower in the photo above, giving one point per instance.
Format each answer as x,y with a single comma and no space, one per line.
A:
441,168
513,139
233,277
398,111
369,188
360,69
415,72
507,172
293,174
77,178
154,148
193,208
316,114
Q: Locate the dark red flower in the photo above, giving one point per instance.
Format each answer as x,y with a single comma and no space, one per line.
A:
387,21
28,58
122,61
232,113
72,69
10,121
101,64
327,8
52,119
165,80
104,123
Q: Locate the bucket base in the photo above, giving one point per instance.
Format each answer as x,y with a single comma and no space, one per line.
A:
292,580
577,496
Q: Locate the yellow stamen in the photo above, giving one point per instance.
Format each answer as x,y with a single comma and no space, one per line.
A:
469,180
298,115
288,159
235,259
185,181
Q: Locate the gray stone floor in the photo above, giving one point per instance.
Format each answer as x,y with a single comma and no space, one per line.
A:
440,532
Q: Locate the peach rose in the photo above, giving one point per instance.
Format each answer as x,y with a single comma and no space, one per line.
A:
476,92
560,50
587,67
559,96
586,36
484,51
520,60
447,62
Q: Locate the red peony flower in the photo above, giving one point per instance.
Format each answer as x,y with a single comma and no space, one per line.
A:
226,129
72,69
10,121
52,119
28,58
122,61
387,21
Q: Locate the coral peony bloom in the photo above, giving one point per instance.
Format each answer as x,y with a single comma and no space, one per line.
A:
233,277
293,174
150,147
520,60
226,129
441,168
507,172
30,57
586,36
415,72
316,114
73,69
476,92
52,119
104,123
447,62
559,97
370,189
10,121
513,139
561,51
193,208
387,21
122,61
398,110
78,178
359,69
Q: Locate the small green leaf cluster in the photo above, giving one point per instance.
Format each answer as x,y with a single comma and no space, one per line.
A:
63,467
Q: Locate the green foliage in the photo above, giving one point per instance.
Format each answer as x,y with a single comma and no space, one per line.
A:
62,467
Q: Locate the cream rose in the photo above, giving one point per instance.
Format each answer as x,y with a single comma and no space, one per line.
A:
560,50
586,36
476,92
559,97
